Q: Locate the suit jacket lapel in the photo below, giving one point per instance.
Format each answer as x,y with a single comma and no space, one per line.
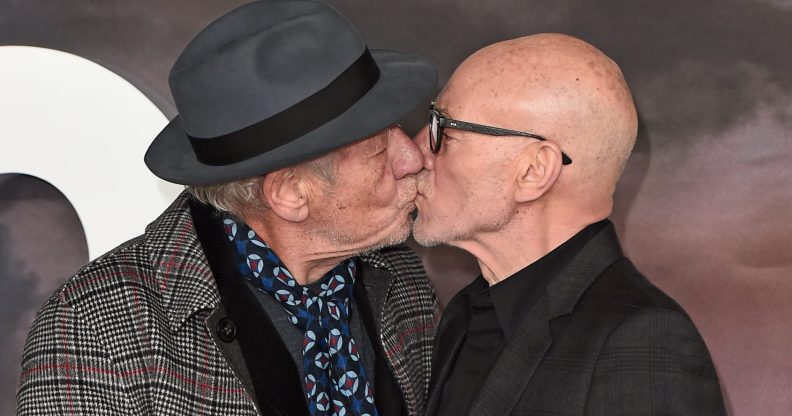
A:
368,289
516,365
273,374
522,354
450,335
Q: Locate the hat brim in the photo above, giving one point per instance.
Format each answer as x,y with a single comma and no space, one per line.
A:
405,81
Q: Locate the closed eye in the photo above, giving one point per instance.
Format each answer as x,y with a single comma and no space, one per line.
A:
380,152
447,136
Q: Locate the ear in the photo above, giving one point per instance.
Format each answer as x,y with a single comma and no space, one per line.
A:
286,194
538,170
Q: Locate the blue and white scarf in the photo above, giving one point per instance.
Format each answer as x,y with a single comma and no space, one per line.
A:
335,380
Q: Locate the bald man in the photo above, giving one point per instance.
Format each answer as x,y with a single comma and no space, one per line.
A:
521,157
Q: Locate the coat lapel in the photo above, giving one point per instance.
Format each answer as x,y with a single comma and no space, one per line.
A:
408,316
368,289
274,377
450,335
515,367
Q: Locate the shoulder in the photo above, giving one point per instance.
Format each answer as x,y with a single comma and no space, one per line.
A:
622,303
81,323
648,343
102,299
655,350
134,263
621,310
105,290
649,315
128,264
622,285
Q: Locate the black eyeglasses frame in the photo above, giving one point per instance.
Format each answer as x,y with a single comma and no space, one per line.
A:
436,137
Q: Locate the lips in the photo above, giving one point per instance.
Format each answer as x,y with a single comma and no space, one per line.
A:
408,188
407,198
423,191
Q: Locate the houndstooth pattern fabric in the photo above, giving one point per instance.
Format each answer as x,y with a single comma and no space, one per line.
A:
409,321
127,334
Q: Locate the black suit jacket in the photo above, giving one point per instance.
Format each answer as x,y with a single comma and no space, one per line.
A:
601,341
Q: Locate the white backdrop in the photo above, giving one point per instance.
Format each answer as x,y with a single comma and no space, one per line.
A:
84,129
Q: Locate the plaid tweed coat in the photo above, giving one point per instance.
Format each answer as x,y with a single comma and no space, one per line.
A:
129,333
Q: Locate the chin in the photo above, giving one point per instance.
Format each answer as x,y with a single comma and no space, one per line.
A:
401,232
423,236
397,234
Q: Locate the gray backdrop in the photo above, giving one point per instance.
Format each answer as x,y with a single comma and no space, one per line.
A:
703,208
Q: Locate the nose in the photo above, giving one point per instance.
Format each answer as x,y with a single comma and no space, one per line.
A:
407,157
422,141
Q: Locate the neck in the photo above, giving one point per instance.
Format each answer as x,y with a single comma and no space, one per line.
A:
307,257
520,243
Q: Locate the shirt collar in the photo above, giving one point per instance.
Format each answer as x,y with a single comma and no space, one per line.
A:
515,296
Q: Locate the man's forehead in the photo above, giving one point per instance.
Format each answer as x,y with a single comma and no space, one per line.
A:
471,108
463,94
450,103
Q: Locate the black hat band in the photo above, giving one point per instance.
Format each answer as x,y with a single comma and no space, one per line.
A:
296,121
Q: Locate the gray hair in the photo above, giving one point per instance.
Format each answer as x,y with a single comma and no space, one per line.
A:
241,198
244,199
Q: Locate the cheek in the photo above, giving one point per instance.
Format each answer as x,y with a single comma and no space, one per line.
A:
371,190
451,182
382,188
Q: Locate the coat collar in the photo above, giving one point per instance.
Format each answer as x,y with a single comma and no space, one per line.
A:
275,384
564,292
179,264
182,271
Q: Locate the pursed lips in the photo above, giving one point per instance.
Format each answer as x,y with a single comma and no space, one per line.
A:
421,183
409,188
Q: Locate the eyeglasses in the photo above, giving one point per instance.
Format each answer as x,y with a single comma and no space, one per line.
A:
438,122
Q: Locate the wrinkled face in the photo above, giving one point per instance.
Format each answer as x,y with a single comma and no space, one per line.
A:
463,189
369,202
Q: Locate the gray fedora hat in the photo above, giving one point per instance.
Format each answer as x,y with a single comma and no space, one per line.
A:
275,83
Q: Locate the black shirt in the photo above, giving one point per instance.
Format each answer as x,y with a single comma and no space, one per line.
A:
495,314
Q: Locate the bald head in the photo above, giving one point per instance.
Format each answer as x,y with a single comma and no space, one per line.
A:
508,199
559,87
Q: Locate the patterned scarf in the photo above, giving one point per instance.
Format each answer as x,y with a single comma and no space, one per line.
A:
335,380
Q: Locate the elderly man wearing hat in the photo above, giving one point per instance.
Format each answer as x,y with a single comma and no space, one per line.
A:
267,286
